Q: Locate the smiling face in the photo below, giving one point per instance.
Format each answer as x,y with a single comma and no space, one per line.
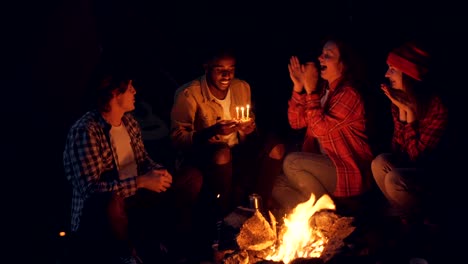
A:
219,75
331,67
395,77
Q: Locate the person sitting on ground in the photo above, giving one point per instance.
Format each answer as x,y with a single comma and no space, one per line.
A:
420,120
119,194
234,157
335,157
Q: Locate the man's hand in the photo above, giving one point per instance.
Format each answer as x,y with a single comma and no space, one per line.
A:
247,127
225,127
156,180
222,127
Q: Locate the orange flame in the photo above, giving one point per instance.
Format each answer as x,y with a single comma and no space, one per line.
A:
298,239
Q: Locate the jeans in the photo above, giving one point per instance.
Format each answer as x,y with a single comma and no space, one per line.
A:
402,187
304,174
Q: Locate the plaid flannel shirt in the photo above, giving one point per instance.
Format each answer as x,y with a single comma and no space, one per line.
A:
339,126
419,137
90,162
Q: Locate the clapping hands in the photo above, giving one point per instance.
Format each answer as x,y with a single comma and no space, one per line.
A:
303,76
398,97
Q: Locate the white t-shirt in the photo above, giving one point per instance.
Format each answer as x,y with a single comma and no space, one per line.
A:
120,140
230,139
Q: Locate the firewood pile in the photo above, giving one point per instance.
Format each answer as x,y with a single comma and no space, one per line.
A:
257,238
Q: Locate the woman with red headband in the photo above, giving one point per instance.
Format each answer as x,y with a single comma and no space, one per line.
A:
420,121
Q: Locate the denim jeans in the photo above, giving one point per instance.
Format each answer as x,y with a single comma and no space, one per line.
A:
304,174
401,186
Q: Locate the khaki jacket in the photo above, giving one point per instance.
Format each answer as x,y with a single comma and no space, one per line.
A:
195,108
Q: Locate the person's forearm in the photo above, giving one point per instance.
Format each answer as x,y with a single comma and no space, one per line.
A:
410,117
298,88
141,181
311,88
403,115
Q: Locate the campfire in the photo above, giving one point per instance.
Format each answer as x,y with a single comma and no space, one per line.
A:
312,231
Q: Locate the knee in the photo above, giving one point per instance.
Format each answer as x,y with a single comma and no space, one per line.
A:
288,161
116,208
195,179
192,179
277,152
222,156
392,180
378,163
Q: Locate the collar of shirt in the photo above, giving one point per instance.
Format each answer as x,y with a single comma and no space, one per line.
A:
331,86
207,95
106,126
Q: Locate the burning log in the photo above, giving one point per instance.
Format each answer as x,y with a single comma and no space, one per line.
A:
312,233
256,234
255,240
295,261
238,258
335,229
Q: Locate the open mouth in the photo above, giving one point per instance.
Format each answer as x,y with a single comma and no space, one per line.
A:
225,83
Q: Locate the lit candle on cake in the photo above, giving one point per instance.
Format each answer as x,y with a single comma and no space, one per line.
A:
248,108
242,112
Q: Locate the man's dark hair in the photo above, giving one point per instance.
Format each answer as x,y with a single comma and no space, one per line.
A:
105,81
217,52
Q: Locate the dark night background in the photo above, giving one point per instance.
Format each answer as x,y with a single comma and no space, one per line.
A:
53,46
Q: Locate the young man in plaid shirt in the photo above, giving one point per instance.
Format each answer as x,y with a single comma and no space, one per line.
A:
115,184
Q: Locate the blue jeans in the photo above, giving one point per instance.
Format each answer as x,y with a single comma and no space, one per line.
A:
304,174
403,187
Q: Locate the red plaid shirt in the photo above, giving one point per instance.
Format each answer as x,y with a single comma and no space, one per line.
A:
421,136
339,126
